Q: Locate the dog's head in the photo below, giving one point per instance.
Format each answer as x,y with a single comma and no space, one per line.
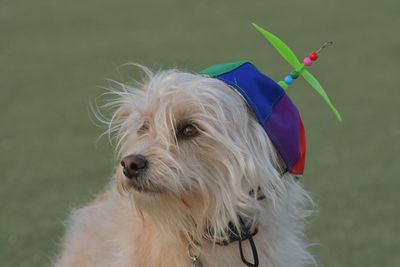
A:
188,144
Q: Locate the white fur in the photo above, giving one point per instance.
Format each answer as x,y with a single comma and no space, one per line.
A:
201,183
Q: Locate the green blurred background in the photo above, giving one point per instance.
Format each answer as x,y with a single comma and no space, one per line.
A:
55,56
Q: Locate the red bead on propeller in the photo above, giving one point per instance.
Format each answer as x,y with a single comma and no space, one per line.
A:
313,56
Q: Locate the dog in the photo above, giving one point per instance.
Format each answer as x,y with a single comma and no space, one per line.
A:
198,183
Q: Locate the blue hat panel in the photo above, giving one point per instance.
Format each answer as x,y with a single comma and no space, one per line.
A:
260,92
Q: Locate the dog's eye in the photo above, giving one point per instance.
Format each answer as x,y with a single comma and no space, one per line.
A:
144,128
187,130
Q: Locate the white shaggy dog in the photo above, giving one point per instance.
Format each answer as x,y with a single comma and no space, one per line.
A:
196,166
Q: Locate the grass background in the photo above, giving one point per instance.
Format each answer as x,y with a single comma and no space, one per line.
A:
54,54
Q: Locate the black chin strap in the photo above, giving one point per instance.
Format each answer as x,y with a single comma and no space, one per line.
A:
253,251
253,247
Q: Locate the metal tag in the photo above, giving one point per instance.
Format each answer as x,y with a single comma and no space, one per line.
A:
196,262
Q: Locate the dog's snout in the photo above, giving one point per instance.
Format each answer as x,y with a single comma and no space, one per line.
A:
134,165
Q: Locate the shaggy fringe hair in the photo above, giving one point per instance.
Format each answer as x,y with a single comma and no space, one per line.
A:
204,183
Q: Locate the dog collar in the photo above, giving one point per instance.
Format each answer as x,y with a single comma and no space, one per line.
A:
246,231
269,101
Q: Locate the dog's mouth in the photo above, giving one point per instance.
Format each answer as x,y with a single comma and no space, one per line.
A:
143,186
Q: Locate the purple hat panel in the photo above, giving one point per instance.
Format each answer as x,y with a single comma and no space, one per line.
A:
285,129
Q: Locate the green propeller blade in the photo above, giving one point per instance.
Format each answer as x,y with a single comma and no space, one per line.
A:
290,57
317,86
280,46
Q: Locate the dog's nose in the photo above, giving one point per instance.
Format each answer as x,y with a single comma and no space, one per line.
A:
134,165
